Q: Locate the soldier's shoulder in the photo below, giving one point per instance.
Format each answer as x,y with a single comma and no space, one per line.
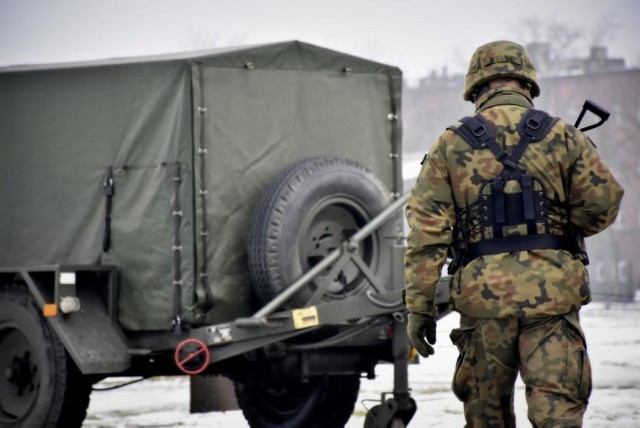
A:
458,123
567,130
560,123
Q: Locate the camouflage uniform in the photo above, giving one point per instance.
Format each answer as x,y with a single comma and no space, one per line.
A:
519,310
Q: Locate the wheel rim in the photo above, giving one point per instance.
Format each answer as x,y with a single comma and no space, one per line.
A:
19,374
327,224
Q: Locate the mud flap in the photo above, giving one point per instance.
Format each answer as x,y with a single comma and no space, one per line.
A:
89,334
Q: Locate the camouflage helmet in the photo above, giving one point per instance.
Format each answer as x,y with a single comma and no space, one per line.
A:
500,59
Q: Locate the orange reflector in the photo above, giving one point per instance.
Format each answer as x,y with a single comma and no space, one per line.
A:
413,354
50,310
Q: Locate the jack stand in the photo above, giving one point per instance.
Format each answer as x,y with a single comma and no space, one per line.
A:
395,412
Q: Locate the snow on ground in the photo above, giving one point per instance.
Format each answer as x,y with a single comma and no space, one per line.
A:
613,336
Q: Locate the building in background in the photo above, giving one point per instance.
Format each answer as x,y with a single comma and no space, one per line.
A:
565,85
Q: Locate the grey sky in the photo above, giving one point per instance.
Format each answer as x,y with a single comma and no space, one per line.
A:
417,35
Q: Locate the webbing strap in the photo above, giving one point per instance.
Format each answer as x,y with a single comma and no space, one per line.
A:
499,210
526,183
536,124
512,244
108,189
477,132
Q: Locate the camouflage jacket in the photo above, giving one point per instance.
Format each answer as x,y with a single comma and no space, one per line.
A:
523,284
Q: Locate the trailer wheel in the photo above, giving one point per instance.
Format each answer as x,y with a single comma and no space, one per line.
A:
39,384
306,212
323,401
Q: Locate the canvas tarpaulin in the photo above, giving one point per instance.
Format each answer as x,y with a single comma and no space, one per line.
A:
245,113
60,132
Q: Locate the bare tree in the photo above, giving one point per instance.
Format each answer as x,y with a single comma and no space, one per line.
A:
565,39
604,32
560,37
530,30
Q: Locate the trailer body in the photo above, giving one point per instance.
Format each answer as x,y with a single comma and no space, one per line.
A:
242,115
135,192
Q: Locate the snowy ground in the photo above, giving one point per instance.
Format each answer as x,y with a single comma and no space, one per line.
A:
613,335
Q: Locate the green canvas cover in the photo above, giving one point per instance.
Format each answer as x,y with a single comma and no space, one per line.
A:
220,124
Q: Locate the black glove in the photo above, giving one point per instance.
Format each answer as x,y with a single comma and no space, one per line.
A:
419,327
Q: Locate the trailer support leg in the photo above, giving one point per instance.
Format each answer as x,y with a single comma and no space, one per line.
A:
395,412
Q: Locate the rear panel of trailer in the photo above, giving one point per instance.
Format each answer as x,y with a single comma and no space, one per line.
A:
180,137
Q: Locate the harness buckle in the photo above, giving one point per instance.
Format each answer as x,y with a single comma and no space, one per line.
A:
479,131
533,124
502,155
510,165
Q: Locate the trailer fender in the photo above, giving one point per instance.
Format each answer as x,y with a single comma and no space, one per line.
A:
88,330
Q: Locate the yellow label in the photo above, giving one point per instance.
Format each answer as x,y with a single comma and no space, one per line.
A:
305,317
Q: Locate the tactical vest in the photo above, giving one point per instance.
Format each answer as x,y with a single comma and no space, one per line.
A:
513,212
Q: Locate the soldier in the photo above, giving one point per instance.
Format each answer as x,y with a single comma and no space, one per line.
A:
509,192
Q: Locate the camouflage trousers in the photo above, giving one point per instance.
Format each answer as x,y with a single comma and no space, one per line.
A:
549,353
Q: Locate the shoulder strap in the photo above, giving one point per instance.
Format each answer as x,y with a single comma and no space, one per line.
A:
536,124
533,127
477,132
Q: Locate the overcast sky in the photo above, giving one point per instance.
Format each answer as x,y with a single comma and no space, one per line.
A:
417,35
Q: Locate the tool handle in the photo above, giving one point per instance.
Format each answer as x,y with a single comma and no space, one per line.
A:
594,108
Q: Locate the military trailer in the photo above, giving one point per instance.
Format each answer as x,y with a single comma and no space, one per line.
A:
231,212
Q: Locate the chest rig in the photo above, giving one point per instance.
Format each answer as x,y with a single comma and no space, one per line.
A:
513,211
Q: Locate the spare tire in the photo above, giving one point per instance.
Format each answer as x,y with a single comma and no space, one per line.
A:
321,401
306,212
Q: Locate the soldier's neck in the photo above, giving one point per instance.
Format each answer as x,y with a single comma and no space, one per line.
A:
504,96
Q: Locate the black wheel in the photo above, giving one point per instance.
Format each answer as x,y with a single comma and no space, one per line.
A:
39,385
326,402
307,211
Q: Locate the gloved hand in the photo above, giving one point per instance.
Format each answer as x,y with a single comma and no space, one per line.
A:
419,327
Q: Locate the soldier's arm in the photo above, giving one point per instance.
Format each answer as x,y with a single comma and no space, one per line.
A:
430,215
594,193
